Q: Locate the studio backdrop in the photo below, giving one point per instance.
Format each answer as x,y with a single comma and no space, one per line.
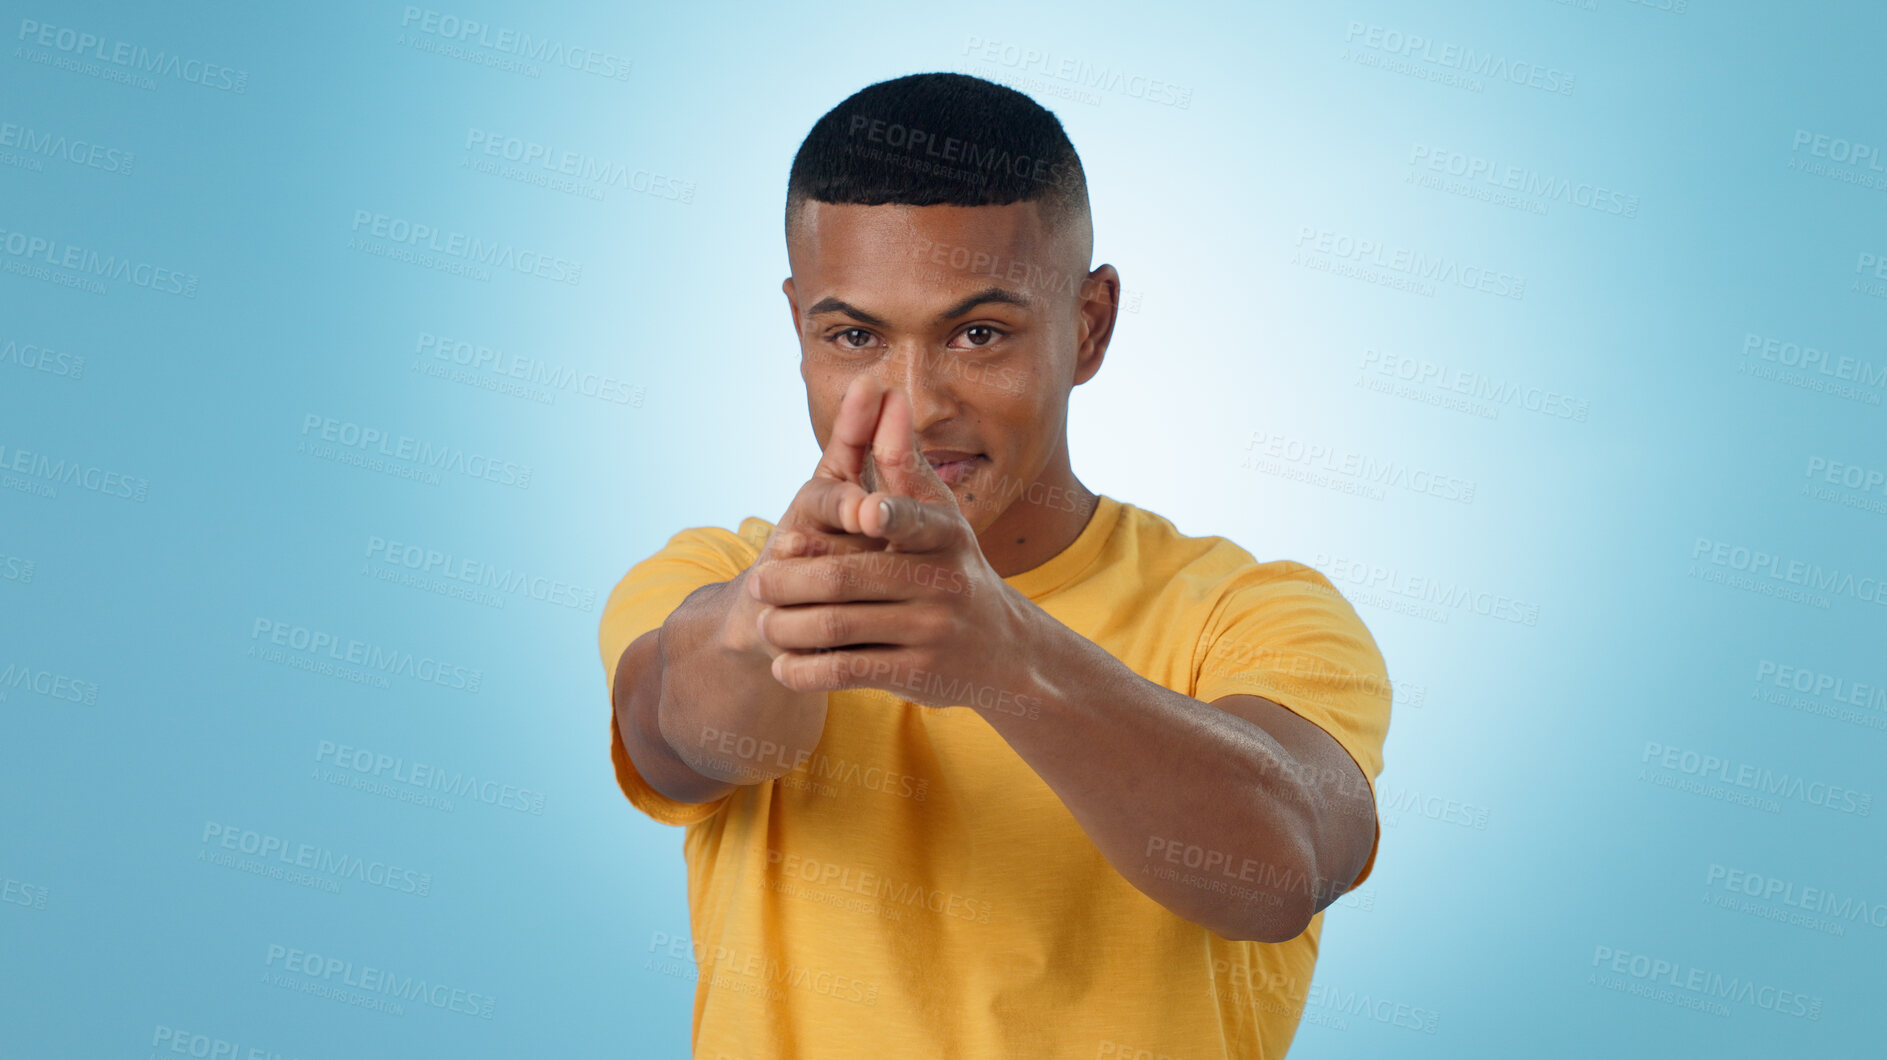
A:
350,354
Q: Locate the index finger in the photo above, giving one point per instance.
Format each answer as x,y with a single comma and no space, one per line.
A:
852,431
830,507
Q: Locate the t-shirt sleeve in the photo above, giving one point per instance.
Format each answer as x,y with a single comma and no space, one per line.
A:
642,601
1285,633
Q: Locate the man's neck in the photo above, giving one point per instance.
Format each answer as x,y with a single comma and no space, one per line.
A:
1038,525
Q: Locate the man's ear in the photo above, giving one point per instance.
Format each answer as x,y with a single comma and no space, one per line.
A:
1100,305
792,299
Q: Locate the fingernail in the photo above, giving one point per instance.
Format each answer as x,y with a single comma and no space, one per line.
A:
884,510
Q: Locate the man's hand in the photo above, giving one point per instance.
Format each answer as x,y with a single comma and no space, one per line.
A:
924,616
822,520
697,703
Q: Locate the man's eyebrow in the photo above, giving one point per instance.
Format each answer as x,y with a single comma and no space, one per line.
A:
834,305
987,294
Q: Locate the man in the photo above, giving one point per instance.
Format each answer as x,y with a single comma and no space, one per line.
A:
973,761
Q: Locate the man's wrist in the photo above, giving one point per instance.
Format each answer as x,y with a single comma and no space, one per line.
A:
736,637
1034,644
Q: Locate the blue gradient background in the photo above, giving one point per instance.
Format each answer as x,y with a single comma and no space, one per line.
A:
114,929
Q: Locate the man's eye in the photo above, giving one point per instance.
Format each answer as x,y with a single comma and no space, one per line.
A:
981,334
854,338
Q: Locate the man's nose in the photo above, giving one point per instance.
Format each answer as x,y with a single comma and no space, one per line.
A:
926,379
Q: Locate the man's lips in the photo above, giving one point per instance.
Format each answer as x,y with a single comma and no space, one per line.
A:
952,465
945,456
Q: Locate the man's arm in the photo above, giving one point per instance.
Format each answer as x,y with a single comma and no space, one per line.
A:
1269,817
1237,814
699,710
696,701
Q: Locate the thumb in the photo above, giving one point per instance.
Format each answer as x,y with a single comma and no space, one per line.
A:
906,481
901,466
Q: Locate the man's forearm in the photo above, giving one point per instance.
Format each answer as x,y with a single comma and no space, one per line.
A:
1202,810
702,711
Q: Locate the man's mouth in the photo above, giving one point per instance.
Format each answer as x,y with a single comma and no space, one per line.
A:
953,465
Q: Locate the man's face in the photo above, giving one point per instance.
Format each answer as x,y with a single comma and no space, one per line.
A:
975,311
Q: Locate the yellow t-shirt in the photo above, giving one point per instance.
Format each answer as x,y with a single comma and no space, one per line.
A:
916,890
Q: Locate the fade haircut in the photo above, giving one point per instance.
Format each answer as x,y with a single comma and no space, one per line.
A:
941,139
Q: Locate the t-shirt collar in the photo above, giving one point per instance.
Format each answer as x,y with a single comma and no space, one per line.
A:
1056,571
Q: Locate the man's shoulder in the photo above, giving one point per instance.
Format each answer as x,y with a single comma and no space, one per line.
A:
743,543
753,533
1211,559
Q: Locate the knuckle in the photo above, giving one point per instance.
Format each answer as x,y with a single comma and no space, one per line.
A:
791,678
944,629
833,625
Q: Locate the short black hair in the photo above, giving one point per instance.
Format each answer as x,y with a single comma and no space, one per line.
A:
939,139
